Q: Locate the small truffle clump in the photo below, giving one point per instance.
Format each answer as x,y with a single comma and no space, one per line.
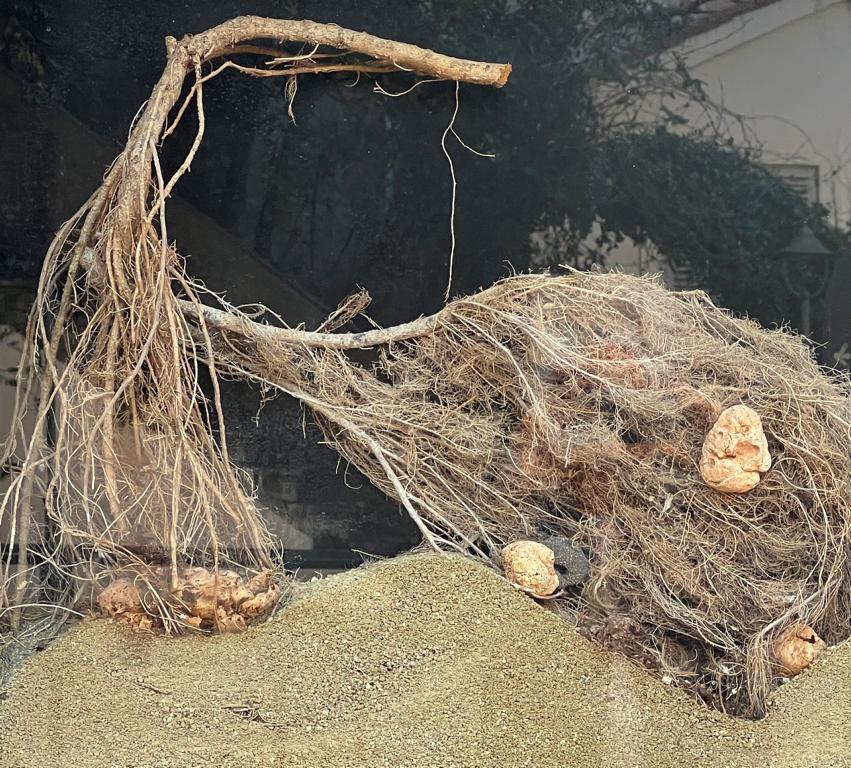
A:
735,451
531,566
123,601
218,601
797,648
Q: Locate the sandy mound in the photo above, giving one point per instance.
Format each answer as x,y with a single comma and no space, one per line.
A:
420,661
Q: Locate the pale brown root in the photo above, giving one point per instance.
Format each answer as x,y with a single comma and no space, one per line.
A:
129,455
240,325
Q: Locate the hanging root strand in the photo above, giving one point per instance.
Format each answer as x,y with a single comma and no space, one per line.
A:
127,465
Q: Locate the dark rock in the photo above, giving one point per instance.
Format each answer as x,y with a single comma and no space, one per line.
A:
571,563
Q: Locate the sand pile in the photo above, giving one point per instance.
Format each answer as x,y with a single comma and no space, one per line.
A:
420,661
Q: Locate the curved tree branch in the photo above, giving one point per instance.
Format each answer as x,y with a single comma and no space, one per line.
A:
132,170
192,51
219,41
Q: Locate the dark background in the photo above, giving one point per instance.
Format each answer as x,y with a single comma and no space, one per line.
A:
355,194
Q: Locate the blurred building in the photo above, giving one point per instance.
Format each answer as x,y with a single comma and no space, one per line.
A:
779,69
783,67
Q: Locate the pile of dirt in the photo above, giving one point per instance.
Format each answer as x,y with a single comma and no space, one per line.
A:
419,661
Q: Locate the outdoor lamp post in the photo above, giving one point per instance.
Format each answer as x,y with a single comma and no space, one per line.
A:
807,265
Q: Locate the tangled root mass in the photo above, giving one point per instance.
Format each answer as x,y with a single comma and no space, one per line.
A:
578,406
572,406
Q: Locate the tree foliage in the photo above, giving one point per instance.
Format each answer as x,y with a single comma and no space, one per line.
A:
593,140
711,210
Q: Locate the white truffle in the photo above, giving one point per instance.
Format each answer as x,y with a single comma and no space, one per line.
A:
735,451
531,566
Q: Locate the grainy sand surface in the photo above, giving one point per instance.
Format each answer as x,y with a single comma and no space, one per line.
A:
419,661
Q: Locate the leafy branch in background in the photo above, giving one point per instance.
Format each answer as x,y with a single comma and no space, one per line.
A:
648,155
711,210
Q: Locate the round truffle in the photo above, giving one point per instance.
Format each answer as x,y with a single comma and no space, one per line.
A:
735,451
796,648
530,565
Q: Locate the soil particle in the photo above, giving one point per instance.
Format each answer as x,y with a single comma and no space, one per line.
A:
419,661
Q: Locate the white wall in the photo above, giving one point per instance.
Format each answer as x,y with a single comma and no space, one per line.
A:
787,67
